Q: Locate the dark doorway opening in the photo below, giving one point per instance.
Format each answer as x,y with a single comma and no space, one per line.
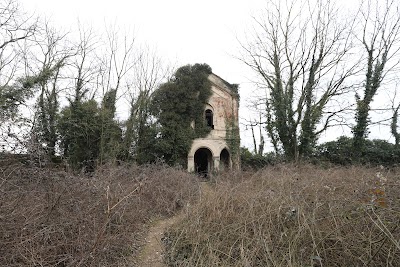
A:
224,160
203,161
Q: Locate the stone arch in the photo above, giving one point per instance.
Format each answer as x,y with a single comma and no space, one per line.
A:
208,106
225,160
203,161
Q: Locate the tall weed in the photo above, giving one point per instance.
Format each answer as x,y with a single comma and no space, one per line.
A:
290,215
49,217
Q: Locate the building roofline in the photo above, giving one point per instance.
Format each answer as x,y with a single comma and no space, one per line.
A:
232,89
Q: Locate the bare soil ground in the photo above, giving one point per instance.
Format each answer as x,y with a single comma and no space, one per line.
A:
152,253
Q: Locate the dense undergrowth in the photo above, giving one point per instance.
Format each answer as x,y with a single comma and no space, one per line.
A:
289,215
283,215
49,217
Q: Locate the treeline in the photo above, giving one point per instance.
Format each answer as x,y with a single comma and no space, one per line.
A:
338,152
79,84
319,65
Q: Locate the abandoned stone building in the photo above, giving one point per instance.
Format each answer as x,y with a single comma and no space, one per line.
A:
219,150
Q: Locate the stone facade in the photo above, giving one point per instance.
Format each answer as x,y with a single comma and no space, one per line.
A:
213,153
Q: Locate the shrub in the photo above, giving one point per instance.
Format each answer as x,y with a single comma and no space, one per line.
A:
375,152
53,218
293,216
250,161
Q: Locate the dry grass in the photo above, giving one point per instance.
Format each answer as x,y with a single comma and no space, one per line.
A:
54,218
293,216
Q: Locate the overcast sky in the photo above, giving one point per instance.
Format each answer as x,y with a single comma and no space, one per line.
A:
182,31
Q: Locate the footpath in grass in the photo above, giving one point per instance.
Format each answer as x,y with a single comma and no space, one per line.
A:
152,253
50,217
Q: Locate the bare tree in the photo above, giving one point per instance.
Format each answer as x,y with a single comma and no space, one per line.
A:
258,107
380,39
299,51
46,63
85,66
78,121
16,31
149,72
117,60
15,28
117,63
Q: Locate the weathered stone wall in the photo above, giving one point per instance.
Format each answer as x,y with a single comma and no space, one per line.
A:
224,105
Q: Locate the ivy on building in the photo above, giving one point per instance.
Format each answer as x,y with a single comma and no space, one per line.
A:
233,138
178,106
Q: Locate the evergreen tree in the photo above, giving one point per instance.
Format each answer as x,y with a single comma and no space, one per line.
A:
89,133
178,105
110,132
80,130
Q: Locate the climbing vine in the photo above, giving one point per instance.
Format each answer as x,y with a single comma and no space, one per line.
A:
176,104
233,137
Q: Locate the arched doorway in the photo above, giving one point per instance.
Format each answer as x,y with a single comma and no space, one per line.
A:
203,161
224,159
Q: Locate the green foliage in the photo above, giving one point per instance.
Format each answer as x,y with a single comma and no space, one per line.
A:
139,132
145,146
47,106
251,161
111,134
374,152
176,104
233,139
42,77
381,152
79,127
338,152
360,130
88,134
378,42
108,103
394,126
47,115
11,97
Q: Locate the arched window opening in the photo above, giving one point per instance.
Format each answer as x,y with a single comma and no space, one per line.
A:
224,160
209,118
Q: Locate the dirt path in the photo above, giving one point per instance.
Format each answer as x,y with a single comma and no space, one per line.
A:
153,251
